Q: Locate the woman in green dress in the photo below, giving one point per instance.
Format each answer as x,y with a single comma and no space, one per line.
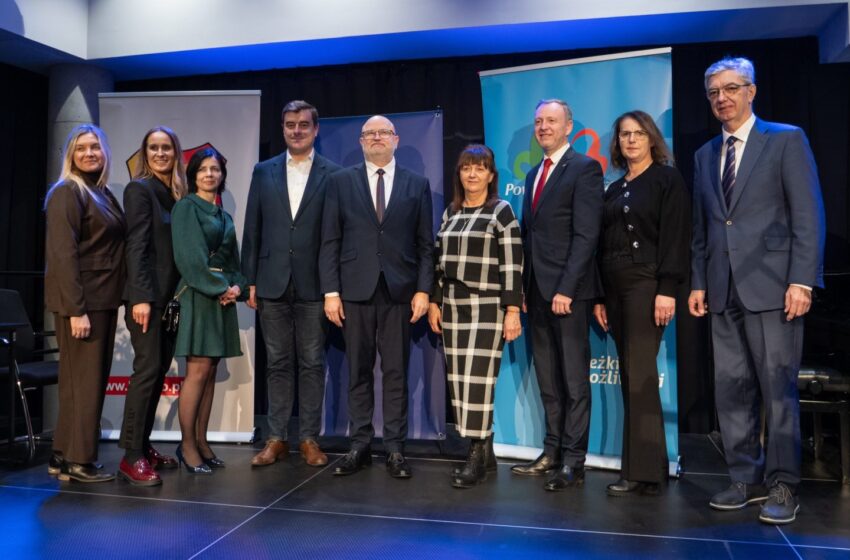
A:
207,257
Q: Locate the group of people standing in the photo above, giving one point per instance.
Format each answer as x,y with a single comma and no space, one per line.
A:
170,240
354,247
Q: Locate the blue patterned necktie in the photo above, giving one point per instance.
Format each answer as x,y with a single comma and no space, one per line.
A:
728,179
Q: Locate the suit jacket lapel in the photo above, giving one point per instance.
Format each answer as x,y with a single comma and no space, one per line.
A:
400,183
317,171
714,171
365,193
527,214
755,144
554,176
279,180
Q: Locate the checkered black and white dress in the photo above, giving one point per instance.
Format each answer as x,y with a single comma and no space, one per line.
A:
478,274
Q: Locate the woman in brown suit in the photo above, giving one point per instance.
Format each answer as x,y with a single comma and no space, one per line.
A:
84,280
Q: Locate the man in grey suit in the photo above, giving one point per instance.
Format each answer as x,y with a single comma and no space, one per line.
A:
280,259
757,253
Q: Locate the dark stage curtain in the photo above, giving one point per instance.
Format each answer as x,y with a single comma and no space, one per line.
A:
792,87
23,157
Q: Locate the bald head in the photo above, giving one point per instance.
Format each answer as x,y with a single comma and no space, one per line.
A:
378,140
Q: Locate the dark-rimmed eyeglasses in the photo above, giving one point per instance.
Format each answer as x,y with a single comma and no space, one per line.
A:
380,133
728,90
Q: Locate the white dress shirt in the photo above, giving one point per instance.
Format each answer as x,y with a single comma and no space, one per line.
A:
372,175
741,135
556,157
297,173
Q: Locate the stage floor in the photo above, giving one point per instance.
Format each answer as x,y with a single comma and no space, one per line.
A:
291,510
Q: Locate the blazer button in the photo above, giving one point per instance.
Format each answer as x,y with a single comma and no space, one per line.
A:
728,222
626,209
378,253
630,227
626,194
635,244
292,227
291,252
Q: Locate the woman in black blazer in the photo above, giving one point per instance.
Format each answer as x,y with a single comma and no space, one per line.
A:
84,278
644,256
152,276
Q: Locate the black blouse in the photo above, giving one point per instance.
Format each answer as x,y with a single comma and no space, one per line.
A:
648,220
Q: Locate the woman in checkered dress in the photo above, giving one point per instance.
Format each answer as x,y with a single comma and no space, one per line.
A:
476,300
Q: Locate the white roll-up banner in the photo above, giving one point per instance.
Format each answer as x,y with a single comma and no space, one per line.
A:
229,121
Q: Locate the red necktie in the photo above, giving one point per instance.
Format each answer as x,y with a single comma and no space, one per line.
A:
547,163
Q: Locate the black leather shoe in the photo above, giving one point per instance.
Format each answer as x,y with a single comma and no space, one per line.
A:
214,462
490,463
474,471
538,467
624,487
781,506
738,496
353,461
54,465
567,477
83,472
397,466
203,468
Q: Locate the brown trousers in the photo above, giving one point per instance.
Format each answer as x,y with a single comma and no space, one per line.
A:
83,372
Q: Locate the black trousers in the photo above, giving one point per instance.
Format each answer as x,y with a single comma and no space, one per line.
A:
756,362
377,325
630,303
153,352
561,351
84,366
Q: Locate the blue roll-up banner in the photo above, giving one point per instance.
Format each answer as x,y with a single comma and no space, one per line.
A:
420,149
598,90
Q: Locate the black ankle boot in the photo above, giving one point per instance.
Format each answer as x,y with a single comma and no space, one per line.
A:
490,463
473,472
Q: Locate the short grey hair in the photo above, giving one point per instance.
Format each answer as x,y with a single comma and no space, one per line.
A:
741,66
561,102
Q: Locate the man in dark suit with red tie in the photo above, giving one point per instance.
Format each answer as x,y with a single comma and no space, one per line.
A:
376,270
756,254
280,259
561,221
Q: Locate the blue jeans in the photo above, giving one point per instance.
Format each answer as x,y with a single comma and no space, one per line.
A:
294,333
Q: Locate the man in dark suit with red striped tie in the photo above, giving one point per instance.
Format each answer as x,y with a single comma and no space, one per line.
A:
561,221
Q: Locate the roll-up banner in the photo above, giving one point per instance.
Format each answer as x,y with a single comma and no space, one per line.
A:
420,149
598,90
229,121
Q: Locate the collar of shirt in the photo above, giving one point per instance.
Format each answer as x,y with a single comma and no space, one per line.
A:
556,157
292,162
389,175
743,131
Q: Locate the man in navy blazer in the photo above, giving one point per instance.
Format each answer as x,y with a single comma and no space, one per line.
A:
280,259
376,269
757,252
561,221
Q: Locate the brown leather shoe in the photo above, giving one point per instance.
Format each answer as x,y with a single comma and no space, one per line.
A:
313,456
273,450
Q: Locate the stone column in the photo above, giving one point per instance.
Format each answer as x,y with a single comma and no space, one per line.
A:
71,100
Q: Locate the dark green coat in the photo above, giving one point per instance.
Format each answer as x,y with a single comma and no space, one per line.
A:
198,229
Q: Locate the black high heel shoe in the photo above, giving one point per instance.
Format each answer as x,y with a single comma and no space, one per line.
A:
214,462
203,468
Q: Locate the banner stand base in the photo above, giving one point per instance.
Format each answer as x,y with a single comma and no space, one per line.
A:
174,436
506,451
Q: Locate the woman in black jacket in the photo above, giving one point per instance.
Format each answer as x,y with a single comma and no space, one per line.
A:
152,276
644,256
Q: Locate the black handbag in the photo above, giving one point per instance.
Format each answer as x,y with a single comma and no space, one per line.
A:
171,315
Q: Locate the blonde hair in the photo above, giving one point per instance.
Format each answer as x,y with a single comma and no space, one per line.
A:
179,187
71,174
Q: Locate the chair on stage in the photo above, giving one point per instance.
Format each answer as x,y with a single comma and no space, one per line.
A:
29,369
827,390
